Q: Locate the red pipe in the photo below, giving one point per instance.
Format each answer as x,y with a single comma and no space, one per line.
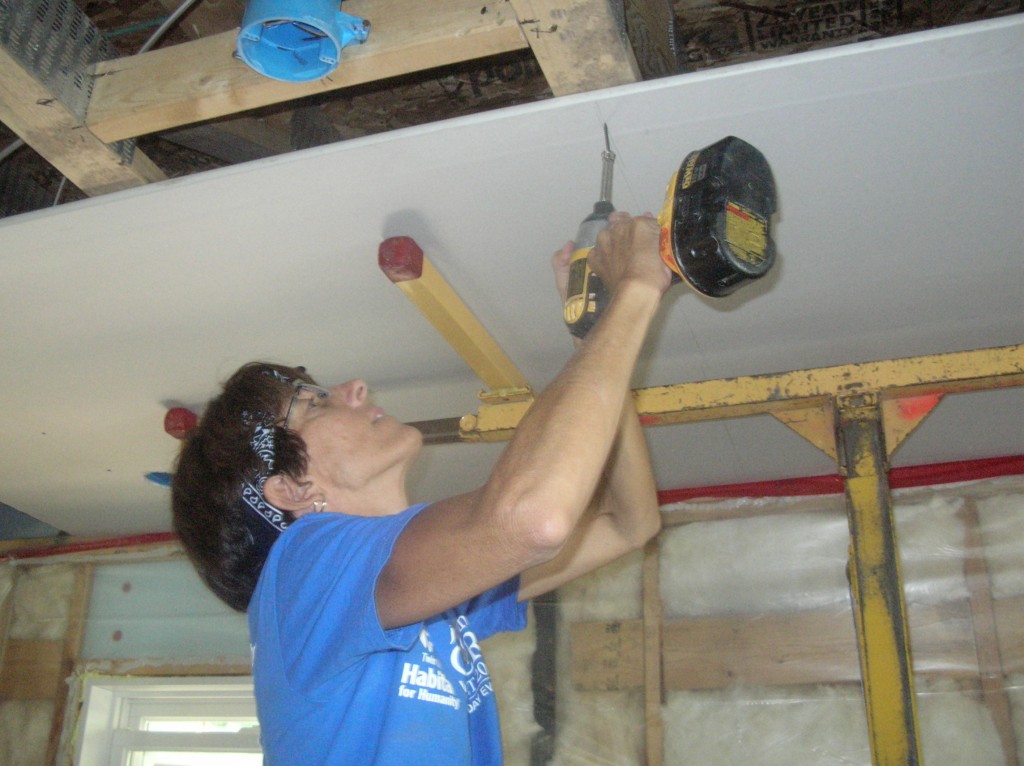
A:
86,546
899,478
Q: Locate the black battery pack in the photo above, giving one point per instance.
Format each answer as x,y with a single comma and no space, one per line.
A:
720,205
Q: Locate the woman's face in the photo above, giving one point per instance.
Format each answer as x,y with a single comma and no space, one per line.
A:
350,442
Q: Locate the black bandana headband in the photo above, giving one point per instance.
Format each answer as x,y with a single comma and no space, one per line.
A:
264,522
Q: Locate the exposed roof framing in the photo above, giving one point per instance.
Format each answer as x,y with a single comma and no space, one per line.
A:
45,50
196,94
580,45
42,120
201,79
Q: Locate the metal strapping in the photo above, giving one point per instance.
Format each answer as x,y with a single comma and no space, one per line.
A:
57,42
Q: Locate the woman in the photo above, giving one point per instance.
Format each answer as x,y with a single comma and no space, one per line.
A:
366,614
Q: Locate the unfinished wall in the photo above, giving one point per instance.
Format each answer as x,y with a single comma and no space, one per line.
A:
37,617
758,652
124,616
110,613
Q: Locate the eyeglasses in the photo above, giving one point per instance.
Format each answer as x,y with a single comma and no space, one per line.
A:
316,393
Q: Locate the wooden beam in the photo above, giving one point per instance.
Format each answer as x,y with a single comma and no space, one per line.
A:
579,44
986,635
201,80
607,656
1010,630
789,649
78,610
651,28
403,262
37,115
32,669
654,692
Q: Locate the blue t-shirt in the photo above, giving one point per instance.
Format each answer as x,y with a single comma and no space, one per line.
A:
334,688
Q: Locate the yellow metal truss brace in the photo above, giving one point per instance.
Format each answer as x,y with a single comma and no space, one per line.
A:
802,390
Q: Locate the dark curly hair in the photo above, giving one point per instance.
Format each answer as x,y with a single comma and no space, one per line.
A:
215,459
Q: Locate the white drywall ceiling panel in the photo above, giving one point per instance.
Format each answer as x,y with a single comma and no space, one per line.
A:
899,167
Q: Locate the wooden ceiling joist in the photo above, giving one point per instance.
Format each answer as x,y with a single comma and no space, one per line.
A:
580,45
44,122
202,80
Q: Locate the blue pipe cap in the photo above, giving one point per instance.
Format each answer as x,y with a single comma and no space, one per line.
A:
297,40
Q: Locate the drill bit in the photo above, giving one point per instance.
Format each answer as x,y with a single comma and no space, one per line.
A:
607,163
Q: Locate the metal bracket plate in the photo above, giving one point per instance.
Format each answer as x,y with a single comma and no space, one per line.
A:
58,43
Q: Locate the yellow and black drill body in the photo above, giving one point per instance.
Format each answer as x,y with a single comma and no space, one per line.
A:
586,295
715,227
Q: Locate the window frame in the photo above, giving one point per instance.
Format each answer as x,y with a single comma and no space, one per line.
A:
114,709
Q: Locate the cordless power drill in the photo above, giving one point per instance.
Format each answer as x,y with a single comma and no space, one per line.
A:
715,227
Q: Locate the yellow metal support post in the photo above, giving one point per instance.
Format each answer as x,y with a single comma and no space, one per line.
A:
876,586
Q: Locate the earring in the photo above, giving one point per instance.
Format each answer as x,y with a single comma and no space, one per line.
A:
319,506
